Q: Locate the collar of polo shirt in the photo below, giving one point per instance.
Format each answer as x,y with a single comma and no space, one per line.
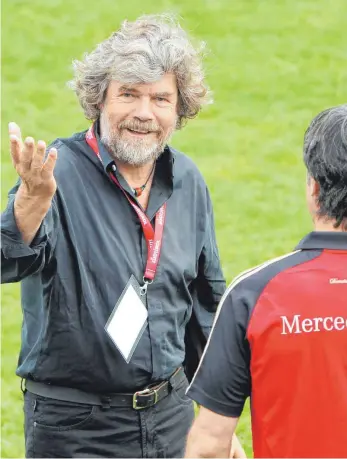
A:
333,240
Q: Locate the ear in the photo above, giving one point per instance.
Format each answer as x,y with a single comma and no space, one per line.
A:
313,187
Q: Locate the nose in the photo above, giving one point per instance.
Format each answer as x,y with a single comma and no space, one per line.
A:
143,110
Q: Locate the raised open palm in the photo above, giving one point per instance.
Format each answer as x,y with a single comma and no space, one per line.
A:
29,161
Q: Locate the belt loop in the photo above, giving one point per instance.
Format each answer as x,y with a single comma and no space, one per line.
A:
105,402
173,378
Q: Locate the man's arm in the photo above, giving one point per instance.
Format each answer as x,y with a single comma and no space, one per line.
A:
29,213
211,435
237,450
38,185
209,286
222,381
207,291
30,222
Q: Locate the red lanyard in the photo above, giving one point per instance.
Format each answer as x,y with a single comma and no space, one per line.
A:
153,237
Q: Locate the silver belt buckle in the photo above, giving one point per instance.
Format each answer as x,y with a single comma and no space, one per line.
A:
145,392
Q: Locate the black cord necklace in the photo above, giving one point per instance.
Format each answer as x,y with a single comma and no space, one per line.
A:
138,191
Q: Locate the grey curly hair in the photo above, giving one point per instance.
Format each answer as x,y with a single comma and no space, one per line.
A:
142,52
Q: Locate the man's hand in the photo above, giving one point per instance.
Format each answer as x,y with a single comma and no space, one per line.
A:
38,184
212,435
236,450
28,160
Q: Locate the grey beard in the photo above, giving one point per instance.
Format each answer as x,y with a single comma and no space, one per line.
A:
134,153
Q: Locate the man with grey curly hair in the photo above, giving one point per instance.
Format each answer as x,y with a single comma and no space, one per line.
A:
114,244
149,59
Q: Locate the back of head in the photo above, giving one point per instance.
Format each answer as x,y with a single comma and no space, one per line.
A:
325,156
143,51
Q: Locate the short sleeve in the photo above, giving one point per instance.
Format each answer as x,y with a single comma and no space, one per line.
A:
222,382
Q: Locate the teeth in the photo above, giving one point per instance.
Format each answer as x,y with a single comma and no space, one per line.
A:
139,132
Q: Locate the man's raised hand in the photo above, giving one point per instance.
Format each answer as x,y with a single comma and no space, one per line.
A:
29,161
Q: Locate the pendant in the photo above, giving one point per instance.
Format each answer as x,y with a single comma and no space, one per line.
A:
138,191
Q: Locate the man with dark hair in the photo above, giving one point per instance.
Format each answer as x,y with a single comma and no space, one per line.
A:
280,334
325,156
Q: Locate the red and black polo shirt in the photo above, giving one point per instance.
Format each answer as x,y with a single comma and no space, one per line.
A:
280,337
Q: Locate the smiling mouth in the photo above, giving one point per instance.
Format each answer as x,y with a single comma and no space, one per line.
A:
136,132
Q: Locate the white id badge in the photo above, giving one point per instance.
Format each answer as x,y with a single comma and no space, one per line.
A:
128,319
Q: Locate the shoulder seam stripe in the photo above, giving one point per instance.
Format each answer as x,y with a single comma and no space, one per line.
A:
232,285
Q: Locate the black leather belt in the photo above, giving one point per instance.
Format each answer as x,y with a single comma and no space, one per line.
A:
142,399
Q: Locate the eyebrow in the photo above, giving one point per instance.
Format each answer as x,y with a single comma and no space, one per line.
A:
126,88
163,94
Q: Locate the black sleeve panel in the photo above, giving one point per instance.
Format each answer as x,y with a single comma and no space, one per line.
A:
222,382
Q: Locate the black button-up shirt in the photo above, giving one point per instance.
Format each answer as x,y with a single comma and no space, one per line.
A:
88,245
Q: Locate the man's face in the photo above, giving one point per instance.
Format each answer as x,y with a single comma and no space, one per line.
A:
138,120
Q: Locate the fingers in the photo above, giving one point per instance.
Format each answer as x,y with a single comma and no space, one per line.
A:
27,157
14,129
38,156
16,143
27,153
15,149
49,164
22,154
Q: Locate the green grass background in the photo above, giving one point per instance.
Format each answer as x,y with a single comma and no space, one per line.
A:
273,65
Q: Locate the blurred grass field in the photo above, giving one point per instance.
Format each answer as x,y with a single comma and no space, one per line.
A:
272,65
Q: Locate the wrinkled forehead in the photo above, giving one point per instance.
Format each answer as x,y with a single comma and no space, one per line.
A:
166,85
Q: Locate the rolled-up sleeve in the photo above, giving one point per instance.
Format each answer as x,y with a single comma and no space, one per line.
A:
19,259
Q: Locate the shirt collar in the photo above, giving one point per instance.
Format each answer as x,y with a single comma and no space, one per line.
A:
334,240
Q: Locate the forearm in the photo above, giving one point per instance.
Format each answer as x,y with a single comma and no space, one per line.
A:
29,212
201,443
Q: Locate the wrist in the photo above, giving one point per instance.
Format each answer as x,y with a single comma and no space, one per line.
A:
26,200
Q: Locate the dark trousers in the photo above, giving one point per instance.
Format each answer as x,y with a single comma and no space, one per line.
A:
62,429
